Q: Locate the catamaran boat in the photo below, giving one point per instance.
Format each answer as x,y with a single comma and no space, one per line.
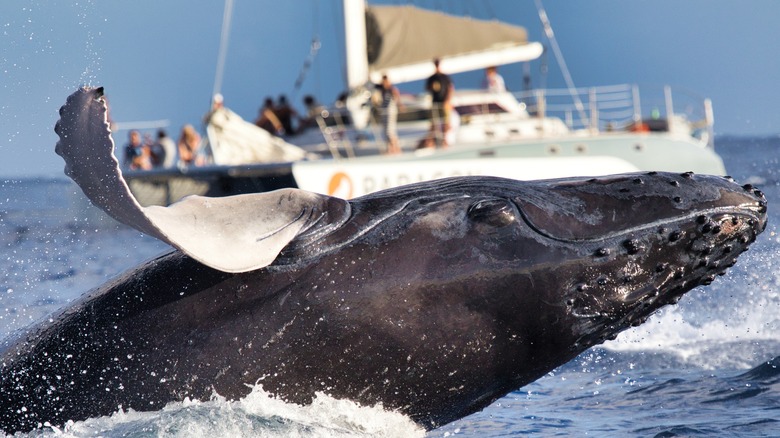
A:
534,134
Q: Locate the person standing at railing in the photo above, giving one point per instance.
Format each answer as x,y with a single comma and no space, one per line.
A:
267,118
189,147
493,82
164,150
441,88
313,110
286,113
390,100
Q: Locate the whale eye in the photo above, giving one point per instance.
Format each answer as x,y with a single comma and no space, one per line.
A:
495,212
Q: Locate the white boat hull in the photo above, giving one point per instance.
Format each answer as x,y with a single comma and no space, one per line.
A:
524,160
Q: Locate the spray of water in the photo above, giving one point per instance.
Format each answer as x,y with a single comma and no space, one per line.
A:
258,414
88,16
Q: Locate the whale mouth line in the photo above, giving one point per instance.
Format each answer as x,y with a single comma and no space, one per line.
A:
750,211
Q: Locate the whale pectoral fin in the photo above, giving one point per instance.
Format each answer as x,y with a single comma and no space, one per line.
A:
88,150
232,234
238,233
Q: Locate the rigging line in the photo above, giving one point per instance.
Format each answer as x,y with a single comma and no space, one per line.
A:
548,31
316,30
223,44
314,48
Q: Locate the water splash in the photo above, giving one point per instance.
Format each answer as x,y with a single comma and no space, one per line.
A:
258,414
87,14
731,324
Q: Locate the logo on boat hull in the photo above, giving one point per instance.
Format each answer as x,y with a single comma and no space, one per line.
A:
340,185
353,179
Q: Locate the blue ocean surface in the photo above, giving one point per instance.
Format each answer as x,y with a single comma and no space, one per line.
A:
707,367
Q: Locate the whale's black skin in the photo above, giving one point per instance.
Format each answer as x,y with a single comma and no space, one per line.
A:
433,299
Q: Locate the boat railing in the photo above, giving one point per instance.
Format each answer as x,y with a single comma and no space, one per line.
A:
603,109
335,133
342,139
623,107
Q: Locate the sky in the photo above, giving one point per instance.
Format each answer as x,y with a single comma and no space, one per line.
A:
157,59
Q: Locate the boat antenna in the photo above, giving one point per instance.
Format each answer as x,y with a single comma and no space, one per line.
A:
548,31
223,45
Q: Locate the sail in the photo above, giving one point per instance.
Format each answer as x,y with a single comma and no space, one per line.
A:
235,141
403,40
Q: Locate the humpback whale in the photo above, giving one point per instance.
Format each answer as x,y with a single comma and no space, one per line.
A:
432,299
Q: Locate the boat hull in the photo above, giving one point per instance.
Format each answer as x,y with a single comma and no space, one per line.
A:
166,186
522,160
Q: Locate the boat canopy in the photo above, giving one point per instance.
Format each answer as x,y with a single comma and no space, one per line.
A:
403,41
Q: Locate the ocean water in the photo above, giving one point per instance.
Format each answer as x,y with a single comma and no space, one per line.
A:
706,367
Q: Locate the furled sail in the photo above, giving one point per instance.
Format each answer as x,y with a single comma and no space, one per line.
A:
403,40
235,141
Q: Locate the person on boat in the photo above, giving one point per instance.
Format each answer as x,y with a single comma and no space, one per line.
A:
189,147
163,152
493,82
441,88
136,153
389,101
286,113
268,120
313,110
341,99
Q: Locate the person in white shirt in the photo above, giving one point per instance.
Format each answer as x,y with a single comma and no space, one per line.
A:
493,81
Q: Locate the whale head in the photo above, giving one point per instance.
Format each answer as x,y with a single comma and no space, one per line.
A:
511,279
637,242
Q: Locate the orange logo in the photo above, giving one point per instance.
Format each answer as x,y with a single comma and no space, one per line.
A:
340,185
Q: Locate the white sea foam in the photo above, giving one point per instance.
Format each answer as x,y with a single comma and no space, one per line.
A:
257,414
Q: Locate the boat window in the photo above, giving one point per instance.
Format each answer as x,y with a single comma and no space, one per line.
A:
414,114
489,108
649,125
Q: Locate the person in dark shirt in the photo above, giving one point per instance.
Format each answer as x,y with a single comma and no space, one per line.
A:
163,151
441,88
313,110
267,118
286,113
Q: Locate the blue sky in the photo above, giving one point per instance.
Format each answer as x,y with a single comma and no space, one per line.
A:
157,59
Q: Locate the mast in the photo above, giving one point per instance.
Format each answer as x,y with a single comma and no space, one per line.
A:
357,62
227,16
355,43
